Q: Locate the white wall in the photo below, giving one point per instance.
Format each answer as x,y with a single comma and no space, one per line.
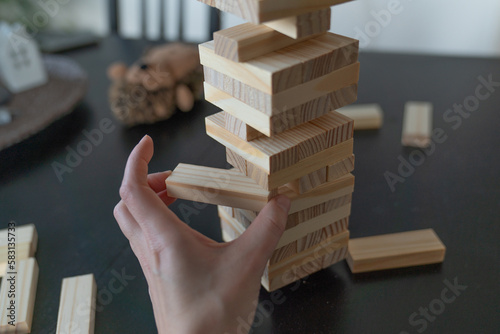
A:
451,27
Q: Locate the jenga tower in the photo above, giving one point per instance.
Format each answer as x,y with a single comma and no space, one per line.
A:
278,81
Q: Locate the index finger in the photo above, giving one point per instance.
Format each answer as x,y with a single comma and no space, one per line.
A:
154,217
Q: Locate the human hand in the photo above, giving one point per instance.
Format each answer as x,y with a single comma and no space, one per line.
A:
196,285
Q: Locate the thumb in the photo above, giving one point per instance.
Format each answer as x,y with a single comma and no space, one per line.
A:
258,242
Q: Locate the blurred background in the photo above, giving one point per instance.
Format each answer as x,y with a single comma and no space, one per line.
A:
445,27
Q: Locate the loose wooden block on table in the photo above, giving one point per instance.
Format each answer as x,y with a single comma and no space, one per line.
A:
303,25
247,41
259,11
365,116
396,250
26,244
231,188
288,67
26,284
275,124
77,305
417,124
216,186
302,143
274,104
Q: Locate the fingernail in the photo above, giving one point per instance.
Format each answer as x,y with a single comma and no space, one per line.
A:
283,202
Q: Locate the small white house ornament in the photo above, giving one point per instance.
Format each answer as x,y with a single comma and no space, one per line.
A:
21,65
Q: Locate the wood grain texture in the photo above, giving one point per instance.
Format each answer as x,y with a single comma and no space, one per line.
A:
341,168
396,250
287,248
231,188
26,284
240,128
217,186
309,181
246,41
290,118
330,251
287,148
417,124
365,116
26,244
236,161
259,11
275,104
330,156
77,305
303,25
289,67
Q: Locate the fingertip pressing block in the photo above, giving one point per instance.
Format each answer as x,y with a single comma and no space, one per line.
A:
365,116
417,124
77,305
397,250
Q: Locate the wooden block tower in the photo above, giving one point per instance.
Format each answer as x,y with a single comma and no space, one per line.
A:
278,80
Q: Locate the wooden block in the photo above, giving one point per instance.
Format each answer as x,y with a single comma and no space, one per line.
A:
246,41
329,252
287,148
259,11
365,116
341,168
26,281
274,104
26,244
227,209
286,249
303,25
77,305
217,186
231,188
288,67
309,181
236,161
240,129
273,125
396,250
330,156
417,124
245,217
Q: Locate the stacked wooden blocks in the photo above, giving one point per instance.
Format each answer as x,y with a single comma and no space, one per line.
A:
278,84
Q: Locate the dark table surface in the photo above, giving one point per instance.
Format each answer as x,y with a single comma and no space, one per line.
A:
455,191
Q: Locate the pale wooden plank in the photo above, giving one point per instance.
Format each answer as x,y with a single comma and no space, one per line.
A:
309,181
274,104
287,248
216,186
290,118
303,25
417,124
236,161
288,67
395,250
240,128
365,116
259,11
26,244
330,156
231,188
340,168
246,41
287,148
77,305
26,284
